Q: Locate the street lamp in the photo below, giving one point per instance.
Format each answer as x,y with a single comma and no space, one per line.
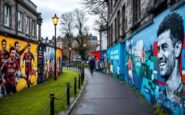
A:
84,45
55,22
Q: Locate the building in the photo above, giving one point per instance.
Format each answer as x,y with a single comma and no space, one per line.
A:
103,41
20,19
126,17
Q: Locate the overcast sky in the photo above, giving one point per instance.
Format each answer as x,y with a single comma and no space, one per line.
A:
49,7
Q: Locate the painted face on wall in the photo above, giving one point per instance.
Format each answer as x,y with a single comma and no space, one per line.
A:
3,45
17,47
166,54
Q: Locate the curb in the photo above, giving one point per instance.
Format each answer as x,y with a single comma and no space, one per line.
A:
71,107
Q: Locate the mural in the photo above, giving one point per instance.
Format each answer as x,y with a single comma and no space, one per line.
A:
21,64
155,61
115,61
18,65
49,56
97,56
103,60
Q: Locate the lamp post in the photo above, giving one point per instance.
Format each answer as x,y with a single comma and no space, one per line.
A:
55,22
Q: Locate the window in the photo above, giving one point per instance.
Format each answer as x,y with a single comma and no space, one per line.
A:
7,15
118,24
33,28
27,24
20,22
111,34
123,21
136,10
115,30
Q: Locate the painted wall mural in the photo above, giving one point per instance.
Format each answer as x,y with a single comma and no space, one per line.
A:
155,60
21,64
116,60
18,64
96,56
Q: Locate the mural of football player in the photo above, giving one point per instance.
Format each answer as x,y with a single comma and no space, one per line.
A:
19,53
3,56
170,39
3,53
118,69
9,69
130,70
27,59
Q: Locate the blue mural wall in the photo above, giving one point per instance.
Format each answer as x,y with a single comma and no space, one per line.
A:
103,59
115,61
150,73
152,61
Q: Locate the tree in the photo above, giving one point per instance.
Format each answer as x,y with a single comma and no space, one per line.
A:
82,35
67,25
99,8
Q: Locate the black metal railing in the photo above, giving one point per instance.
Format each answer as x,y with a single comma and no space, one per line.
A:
70,90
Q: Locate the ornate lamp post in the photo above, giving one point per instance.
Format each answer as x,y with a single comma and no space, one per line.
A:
55,22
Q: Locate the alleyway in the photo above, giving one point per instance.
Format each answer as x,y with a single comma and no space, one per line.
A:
105,95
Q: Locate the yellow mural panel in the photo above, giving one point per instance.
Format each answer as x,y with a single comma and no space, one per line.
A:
21,84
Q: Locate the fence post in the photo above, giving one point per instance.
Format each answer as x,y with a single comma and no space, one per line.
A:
75,86
83,74
52,103
79,77
68,93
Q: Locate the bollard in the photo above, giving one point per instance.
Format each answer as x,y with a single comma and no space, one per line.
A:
68,93
79,77
51,103
83,74
75,86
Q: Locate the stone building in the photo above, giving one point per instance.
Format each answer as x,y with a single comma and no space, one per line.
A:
126,17
19,18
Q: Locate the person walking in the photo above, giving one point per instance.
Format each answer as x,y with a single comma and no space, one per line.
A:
92,65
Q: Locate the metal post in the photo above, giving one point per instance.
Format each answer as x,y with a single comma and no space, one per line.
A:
79,77
82,74
51,103
55,76
75,85
68,93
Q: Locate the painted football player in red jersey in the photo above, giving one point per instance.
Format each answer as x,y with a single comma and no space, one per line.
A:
9,69
4,55
27,58
19,53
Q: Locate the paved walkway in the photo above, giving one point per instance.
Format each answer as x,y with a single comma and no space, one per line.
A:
105,95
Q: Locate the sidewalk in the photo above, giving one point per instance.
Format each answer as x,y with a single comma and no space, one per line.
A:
105,95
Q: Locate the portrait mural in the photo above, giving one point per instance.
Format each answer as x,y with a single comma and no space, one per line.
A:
154,61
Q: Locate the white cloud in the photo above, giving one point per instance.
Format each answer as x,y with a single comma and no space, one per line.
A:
49,7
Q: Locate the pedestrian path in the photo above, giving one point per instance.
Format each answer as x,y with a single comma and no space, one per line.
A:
105,95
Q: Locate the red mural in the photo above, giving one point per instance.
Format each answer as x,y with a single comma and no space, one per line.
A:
96,54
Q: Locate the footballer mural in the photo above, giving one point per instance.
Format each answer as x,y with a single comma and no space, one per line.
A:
155,62
19,64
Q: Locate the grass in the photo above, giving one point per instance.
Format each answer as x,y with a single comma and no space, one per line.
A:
33,101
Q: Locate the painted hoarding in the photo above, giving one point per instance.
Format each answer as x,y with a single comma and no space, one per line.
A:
155,61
